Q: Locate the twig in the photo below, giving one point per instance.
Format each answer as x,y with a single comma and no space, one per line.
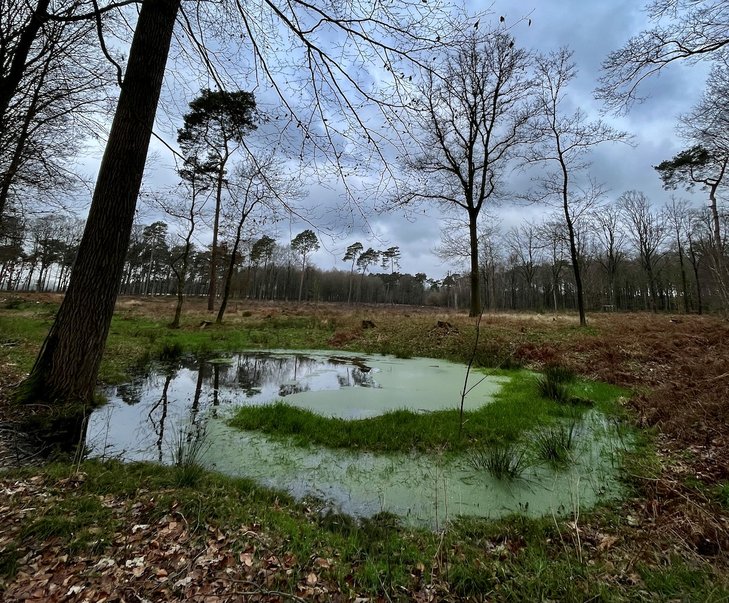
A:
471,359
259,590
722,376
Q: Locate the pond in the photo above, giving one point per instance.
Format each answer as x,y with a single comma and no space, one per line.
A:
145,419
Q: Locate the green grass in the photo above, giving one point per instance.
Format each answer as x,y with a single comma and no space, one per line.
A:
677,578
503,461
516,559
81,522
516,409
554,444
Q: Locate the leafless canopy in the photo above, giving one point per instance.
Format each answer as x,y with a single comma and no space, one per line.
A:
682,29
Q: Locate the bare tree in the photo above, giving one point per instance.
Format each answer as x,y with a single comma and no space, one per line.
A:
184,205
470,117
648,231
55,104
263,186
553,238
524,247
566,141
607,224
677,213
682,30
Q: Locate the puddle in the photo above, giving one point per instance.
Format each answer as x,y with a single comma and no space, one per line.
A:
144,419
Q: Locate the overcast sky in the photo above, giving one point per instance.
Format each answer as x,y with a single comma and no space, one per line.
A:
591,28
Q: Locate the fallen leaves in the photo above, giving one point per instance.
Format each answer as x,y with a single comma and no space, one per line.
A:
159,560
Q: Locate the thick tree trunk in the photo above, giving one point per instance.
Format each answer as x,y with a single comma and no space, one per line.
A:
68,363
475,308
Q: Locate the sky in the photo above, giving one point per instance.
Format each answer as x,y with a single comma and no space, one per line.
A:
591,29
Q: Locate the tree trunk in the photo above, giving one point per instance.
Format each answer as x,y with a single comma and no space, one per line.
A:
301,282
181,280
214,250
574,256
475,308
351,278
68,362
229,274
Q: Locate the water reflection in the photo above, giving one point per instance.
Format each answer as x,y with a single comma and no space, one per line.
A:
157,416
163,414
143,415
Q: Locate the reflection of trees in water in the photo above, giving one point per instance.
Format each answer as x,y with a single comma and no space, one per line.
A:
195,408
356,377
131,393
216,388
158,424
286,389
248,373
256,371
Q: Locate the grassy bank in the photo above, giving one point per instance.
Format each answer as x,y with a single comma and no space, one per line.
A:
517,408
92,527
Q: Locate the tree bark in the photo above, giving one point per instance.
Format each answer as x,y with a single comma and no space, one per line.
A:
214,251
67,365
475,308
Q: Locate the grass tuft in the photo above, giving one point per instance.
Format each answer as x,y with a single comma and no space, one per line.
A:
554,383
553,390
558,373
503,461
171,350
554,444
189,446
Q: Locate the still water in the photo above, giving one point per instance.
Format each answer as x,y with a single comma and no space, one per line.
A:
145,418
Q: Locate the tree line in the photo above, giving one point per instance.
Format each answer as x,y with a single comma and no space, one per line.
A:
634,255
